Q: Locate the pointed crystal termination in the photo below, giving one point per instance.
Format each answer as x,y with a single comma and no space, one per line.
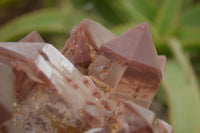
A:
138,66
34,36
84,42
25,84
9,90
135,45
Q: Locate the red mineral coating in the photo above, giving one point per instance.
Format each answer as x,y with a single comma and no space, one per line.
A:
84,42
2,129
5,114
139,84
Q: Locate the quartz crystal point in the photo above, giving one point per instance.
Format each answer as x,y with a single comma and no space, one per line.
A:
138,71
34,36
8,78
84,42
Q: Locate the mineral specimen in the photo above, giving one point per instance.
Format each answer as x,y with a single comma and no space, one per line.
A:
42,91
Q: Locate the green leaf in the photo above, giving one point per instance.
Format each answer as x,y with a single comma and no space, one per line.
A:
182,91
119,29
145,7
183,60
49,3
42,21
168,16
51,21
7,3
112,11
80,3
191,17
187,4
122,12
183,100
189,36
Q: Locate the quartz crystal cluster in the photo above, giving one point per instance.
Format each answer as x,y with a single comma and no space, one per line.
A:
98,83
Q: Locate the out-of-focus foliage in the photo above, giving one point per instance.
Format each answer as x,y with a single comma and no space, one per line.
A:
175,27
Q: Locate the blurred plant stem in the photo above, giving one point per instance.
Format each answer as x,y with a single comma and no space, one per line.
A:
182,89
184,61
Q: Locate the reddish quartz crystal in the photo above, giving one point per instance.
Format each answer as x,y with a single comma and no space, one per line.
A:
84,42
49,94
137,73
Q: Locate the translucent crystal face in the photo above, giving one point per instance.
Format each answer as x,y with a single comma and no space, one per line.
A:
106,70
7,82
138,85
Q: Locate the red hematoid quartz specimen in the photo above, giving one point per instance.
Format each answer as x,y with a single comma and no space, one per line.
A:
45,92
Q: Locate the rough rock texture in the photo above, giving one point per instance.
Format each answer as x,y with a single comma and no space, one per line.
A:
34,36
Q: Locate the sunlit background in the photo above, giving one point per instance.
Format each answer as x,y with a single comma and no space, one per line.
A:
175,27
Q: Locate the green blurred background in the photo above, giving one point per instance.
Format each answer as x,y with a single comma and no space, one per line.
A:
175,27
